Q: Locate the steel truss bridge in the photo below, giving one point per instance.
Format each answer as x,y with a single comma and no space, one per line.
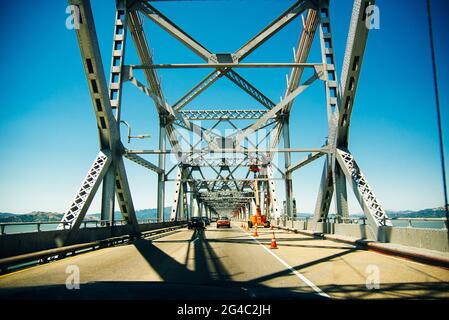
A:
232,173
231,156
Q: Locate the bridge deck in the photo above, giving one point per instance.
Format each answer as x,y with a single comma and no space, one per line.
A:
229,263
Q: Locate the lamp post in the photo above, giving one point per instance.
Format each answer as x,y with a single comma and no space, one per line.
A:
142,136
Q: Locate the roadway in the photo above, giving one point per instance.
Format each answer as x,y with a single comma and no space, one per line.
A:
230,264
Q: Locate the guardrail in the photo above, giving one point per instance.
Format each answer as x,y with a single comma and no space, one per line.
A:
94,224
362,220
59,253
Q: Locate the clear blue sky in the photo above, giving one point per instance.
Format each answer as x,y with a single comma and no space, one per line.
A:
47,125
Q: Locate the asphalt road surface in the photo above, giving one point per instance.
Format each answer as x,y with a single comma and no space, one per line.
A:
229,264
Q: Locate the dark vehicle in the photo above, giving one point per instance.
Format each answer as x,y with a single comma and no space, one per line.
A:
196,223
223,222
206,221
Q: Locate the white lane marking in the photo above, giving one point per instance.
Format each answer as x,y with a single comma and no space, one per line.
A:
295,272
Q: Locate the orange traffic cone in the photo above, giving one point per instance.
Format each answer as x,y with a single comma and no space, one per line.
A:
273,243
255,234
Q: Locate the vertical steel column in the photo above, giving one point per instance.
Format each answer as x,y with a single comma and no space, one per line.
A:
333,107
108,196
191,201
287,160
161,176
115,93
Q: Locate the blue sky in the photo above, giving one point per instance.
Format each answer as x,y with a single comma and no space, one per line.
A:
47,125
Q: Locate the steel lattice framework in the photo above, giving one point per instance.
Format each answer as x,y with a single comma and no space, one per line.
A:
229,157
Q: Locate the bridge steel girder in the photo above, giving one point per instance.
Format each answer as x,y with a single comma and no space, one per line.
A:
108,127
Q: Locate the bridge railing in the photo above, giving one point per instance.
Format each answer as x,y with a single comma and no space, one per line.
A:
432,223
21,227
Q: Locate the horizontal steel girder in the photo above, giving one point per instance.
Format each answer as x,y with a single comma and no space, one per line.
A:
225,65
222,114
229,151
144,163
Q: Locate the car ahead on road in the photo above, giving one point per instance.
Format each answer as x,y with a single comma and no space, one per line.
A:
206,221
196,223
223,222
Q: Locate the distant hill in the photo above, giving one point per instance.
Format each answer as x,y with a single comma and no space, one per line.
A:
152,214
425,213
51,216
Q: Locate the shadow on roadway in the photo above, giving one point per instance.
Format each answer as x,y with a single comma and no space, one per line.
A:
208,279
